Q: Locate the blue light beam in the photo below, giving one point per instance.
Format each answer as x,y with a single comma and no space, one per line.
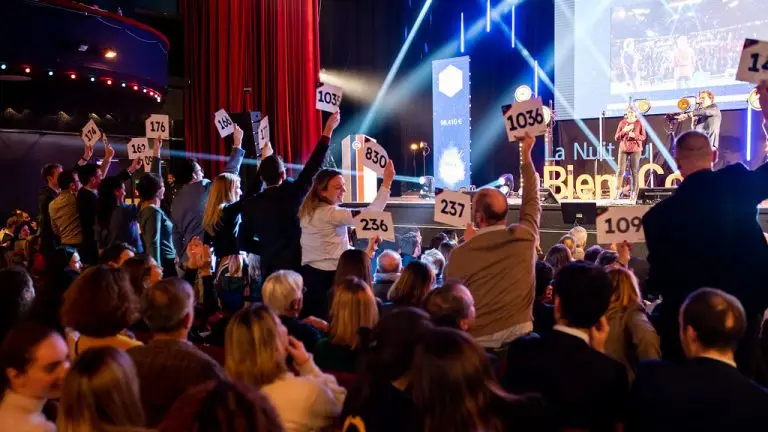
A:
395,67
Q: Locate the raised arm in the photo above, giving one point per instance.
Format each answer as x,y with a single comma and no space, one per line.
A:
87,154
315,161
530,209
236,157
109,153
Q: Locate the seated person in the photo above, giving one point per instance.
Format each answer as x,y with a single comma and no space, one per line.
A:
388,268
116,254
707,392
283,292
169,365
584,388
451,305
435,260
353,308
543,311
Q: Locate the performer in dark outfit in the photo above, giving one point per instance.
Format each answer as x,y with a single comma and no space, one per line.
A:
706,117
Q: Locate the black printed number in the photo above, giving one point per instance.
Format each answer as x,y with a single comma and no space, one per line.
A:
223,123
452,208
328,97
624,225
375,157
525,119
91,133
370,224
138,148
755,61
157,126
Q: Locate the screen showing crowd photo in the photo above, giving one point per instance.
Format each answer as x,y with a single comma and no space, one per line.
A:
659,50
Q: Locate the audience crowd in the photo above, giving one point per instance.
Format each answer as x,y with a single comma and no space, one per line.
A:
156,315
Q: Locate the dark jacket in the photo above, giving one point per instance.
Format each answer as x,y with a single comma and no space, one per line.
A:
701,394
123,225
583,387
707,121
335,358
304,332
707,235
86,207
270,225
48,240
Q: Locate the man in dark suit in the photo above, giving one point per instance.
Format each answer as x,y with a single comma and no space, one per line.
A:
585,388
270,226
706,393
707,234
87,197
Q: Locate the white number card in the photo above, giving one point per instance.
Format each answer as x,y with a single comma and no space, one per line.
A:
90,134
328,98
158,126
263,132
137,147
369,224
753,66
146,161
224,124
374,157
525,117
453,208
620,224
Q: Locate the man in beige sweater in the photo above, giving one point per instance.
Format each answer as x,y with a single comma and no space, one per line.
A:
497,262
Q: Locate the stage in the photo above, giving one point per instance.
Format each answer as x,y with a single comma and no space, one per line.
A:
409,213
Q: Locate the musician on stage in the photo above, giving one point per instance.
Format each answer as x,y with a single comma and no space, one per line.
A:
631,135
706,117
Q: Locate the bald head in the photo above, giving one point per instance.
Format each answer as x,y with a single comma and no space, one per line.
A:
711,319
694,153
490,207
388,262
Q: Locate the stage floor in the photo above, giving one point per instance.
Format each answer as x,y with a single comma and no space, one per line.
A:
410,213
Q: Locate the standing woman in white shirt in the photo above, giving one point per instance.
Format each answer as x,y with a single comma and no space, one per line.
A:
324,234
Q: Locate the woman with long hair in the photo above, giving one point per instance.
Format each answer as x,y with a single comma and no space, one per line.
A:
156,226
33,363
379,400
101,393
97,309
256,348
558,256
354,263
413,285
324,233
117,221
353,311
143,272
632,338
454,389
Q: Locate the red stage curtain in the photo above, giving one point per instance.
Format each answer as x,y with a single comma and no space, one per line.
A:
268,46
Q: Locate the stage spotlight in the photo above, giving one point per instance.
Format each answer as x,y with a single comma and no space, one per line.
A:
110,53
109,82
505,190
27,70
93,79
643,105
72,76
523,93
547,114
50,73
123,84
3,66
685,103
414,147
754,100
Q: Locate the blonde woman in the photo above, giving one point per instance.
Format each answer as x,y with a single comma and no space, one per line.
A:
100,393
257,346
632,337
221,221
324,233
353,310
283,292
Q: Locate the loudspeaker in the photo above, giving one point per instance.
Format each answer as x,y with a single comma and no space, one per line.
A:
249,123
654,195
547,197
